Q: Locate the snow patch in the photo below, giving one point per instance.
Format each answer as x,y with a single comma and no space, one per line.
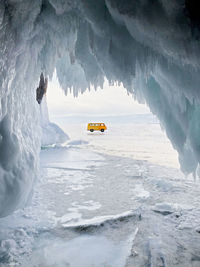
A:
140,192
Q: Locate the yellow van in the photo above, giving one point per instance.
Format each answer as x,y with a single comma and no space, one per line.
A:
96,127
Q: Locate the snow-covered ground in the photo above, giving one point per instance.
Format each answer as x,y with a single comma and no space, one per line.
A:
107,200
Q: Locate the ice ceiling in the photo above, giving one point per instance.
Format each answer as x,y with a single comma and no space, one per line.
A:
152,47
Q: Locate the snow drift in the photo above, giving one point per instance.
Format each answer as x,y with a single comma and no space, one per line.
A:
151,47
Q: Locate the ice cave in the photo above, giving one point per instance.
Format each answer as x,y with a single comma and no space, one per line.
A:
150,47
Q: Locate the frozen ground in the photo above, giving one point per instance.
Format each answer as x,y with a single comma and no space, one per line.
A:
142,139
98,209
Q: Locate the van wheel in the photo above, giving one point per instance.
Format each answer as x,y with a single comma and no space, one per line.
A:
102,130
91,130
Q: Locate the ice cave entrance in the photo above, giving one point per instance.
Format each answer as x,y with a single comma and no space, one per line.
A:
133,131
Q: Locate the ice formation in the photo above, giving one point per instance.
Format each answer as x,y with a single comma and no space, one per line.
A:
51,133
151,47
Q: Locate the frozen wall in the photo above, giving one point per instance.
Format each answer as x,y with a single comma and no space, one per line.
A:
51,133
152,47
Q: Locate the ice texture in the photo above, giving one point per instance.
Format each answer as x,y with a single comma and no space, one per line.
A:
150,47
51,132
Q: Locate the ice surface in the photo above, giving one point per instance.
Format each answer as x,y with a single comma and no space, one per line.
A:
152,48
82,251
77,142
102,220
165,208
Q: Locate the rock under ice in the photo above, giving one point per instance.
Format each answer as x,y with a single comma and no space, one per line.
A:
152,47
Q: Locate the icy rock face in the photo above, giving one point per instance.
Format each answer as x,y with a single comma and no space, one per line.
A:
151,47
19,131
51,133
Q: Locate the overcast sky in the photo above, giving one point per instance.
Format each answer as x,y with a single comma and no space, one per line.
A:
111,100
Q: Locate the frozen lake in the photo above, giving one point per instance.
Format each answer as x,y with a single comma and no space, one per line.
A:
142,140
107,199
